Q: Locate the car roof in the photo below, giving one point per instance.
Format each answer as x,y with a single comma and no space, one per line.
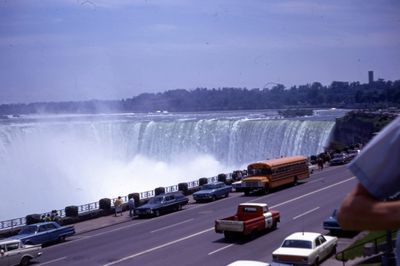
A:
303,236
2,242
254,204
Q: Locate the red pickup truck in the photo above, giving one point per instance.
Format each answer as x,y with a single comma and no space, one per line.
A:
250,218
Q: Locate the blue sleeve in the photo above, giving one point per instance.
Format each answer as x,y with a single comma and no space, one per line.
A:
377,167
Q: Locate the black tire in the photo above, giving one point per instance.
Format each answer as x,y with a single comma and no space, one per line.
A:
61,239
274,225
214,198
316,262
226,195
334,250
228,236
296,181
25,261
157,213
247,193
179,207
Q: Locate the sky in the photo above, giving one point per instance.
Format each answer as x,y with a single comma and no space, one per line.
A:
72,50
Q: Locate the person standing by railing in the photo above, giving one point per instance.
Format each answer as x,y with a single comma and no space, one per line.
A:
131,205
118,205
369,205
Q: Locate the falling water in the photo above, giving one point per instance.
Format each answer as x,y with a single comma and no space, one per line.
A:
49,162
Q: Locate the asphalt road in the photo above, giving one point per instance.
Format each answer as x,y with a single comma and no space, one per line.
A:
187,237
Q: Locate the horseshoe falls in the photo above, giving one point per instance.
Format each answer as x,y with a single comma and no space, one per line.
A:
49,162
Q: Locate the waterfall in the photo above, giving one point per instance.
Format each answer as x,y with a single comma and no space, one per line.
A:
72,162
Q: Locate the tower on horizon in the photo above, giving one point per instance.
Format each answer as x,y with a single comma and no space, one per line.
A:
370,77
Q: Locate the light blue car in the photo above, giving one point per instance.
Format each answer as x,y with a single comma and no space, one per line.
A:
43,233
212,191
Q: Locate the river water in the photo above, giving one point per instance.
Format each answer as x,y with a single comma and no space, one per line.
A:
52,161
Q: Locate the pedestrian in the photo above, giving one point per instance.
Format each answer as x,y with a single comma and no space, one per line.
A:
377,168
131,205
320,163
47,218
118,205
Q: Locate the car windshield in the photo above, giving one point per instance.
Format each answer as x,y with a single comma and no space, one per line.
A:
259,171
293,243
209,186
28,230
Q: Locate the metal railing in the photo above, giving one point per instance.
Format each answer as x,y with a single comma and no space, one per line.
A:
376,241
18,222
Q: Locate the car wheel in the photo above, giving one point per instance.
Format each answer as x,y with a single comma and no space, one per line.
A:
226,195
214,198
156,213
274,225
61,238
179,207
247,193
316,262
228,236
334,250
25,261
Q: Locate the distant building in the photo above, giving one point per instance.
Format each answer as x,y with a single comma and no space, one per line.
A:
370,77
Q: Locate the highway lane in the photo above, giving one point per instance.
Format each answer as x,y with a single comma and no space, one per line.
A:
188,238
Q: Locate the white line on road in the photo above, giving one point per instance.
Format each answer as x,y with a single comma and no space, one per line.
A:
305,213
172,225
286,202
116,229
313,192
51,261
215,251
212,228
158,247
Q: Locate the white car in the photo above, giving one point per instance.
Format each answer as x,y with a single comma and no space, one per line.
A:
248,263
14,252
305,248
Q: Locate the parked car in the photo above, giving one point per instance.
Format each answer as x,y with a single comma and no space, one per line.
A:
250,218
14,252
237,186
305,248
312,167
248,263
212,191
331,224
43,233
162,203
338,159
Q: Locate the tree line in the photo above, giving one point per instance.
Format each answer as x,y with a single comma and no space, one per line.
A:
377,94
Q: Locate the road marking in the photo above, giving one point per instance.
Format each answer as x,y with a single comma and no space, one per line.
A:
212,228
313,192
288,201
220,249
158,247
172,225
116,229
51,261
305,213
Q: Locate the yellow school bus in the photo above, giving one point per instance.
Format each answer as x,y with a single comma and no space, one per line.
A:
264,175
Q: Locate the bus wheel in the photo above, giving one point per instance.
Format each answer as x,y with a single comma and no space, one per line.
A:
265,190
296,181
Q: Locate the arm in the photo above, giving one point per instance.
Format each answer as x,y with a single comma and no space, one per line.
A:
361,211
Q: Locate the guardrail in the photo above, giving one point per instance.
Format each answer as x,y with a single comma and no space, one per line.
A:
341,256
18,222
